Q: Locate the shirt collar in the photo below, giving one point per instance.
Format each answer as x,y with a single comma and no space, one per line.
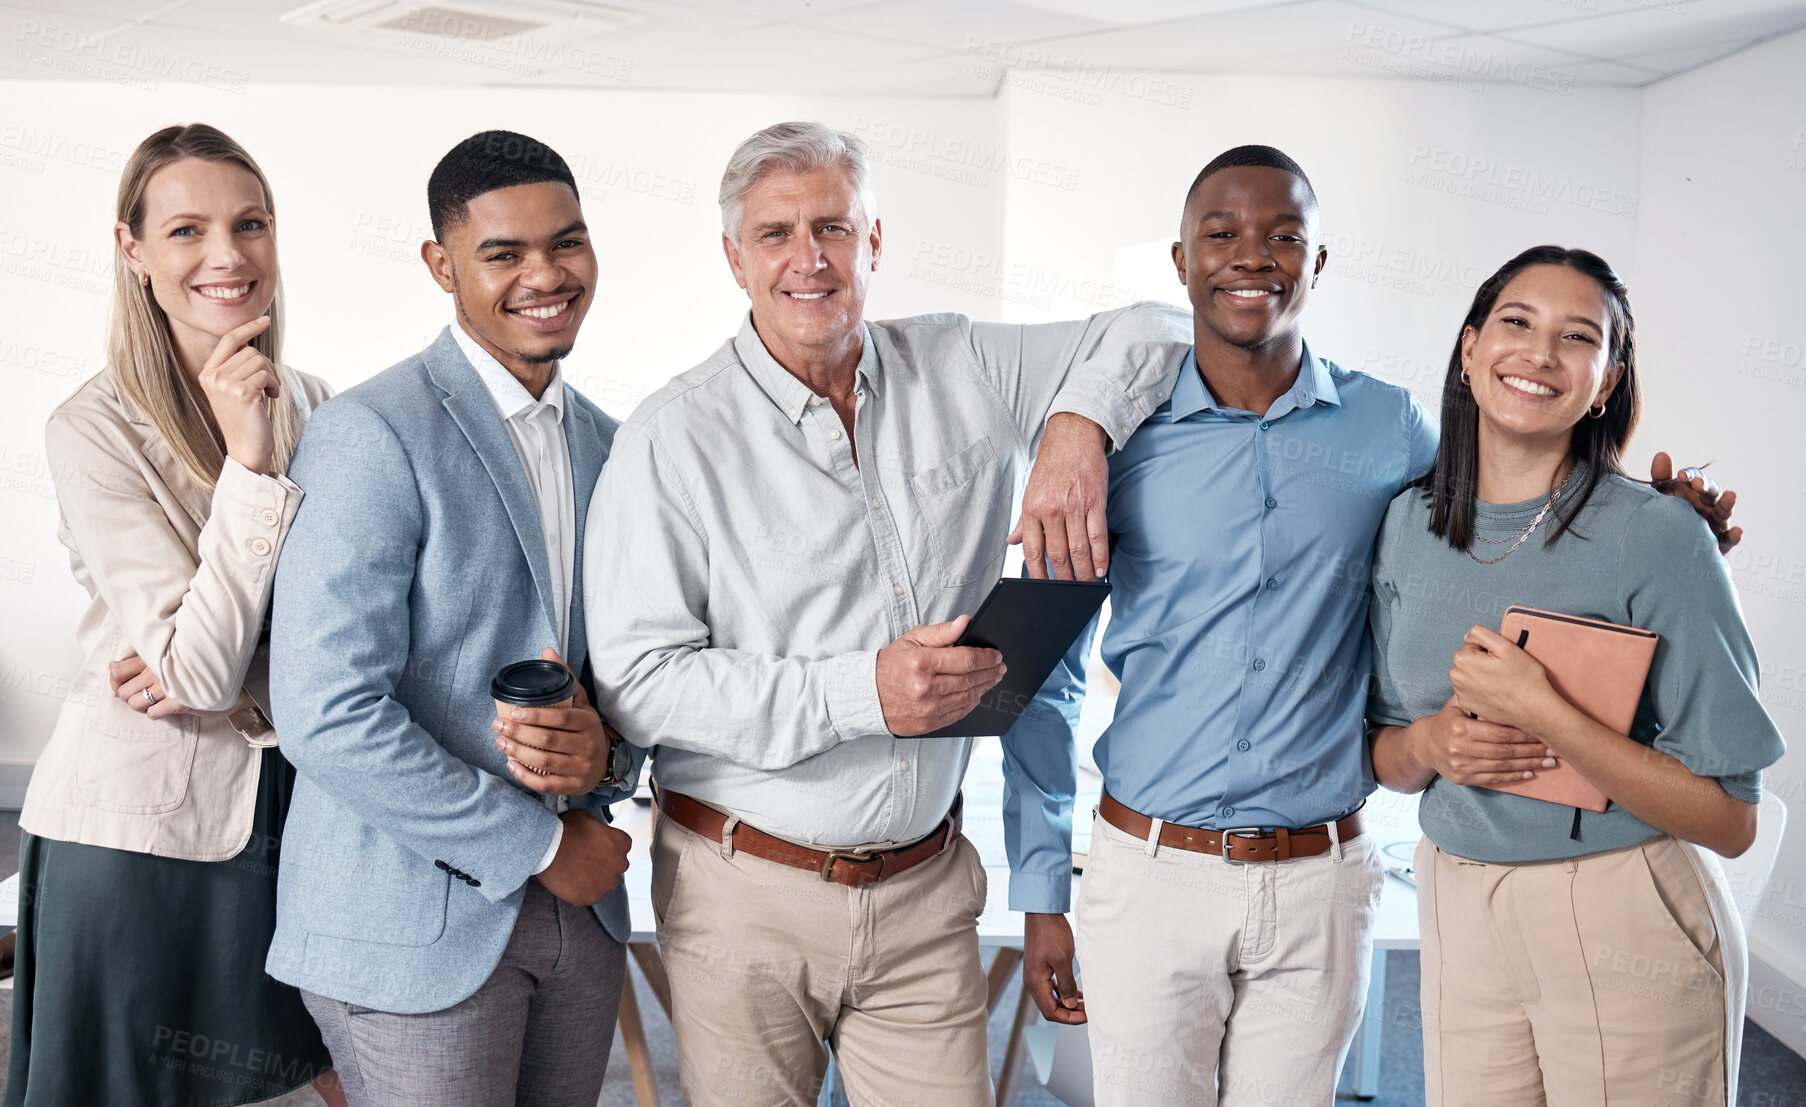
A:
791,395
510,395
1314,384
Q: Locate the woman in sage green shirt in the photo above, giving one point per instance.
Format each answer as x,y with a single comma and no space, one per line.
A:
1568,958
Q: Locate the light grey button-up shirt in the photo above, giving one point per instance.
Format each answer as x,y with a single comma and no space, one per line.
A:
750,570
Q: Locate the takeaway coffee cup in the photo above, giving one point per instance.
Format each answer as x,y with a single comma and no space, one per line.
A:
532,683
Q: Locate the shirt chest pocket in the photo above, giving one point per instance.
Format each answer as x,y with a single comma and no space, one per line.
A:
964,504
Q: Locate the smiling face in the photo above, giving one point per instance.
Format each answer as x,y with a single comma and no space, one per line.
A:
1541,357
1247,254
208,243
805,255
521,270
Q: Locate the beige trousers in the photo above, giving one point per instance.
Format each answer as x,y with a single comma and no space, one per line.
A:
768,962
1616,979
1212,983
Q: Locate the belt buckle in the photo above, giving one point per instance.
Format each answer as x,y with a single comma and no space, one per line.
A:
856,856
1237,832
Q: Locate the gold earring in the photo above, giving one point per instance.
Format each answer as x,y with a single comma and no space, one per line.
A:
1597,412
144,280
1464,379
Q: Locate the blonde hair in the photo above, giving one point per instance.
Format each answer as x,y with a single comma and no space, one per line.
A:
141,351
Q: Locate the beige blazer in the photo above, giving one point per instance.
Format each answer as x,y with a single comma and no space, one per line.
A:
182,578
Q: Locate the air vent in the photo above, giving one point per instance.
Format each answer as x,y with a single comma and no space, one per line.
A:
476,21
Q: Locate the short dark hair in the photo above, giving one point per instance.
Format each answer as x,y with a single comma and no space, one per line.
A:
1258,157
483,163
1598,444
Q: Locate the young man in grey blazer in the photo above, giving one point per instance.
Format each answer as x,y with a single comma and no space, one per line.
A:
450,904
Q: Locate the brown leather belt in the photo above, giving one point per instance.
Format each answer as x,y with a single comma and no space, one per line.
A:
1233,845
852,867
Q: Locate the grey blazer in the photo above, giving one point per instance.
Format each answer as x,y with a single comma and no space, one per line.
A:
413,571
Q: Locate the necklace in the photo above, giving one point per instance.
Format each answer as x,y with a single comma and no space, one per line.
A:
1521,536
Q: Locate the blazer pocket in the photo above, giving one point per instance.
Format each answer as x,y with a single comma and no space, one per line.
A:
133,764
388,895
966,544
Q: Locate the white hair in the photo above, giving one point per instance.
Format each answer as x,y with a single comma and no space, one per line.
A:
799,147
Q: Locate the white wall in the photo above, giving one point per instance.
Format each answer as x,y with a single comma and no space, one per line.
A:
1395,164
349,169
1719,243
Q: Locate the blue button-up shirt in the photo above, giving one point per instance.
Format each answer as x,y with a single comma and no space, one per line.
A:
1241,545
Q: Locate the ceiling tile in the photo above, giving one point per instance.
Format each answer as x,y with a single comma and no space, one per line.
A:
912,47
147,56
949,75
1134,13
763,10
1227,41
1669,62
1611,73
1650,29
813,51
1485,15
262,20
121,11
953,25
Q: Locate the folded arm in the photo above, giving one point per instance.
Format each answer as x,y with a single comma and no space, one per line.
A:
194,618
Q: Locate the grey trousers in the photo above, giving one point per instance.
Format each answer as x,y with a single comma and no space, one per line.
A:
536,1034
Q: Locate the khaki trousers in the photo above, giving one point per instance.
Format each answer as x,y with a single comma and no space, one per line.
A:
1616,979
768,962
1209,983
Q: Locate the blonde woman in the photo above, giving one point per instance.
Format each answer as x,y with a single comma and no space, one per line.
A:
153,820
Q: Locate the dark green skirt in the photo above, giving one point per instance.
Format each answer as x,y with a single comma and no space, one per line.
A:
140,979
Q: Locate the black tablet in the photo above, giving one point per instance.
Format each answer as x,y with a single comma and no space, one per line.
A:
1033,623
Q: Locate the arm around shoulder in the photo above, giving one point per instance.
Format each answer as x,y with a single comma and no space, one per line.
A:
1703,683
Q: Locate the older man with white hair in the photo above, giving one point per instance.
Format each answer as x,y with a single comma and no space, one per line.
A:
788,539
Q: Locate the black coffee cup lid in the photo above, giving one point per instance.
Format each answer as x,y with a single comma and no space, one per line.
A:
533,683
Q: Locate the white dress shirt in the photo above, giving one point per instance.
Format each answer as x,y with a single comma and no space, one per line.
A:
537,429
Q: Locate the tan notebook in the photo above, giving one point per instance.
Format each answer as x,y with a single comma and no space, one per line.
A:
1599,668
